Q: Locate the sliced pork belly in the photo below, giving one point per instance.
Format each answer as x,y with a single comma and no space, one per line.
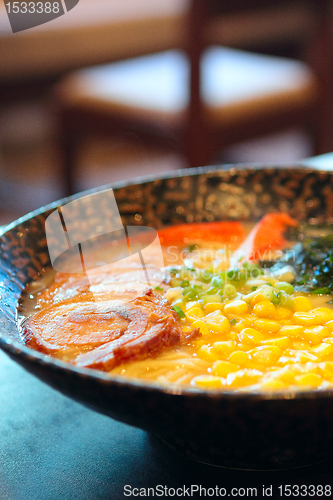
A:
104,334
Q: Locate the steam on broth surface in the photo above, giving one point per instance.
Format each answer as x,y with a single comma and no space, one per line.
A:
230,310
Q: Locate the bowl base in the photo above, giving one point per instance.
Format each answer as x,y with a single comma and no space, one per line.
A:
216,457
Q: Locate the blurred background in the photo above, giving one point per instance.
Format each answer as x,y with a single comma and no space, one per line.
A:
47,92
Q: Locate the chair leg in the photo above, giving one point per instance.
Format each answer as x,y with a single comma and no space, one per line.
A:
198,150
68,139
321,59
69,154
197,147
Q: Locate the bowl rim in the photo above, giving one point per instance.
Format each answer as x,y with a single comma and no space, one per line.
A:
20,350
223,168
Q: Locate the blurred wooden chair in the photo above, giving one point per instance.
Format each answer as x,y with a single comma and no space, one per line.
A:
205,97
94,32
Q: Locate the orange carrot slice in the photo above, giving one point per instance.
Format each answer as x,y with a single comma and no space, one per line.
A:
221,232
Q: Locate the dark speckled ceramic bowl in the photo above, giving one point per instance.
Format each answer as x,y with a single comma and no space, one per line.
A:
253,431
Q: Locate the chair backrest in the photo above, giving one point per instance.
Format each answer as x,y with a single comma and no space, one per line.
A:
205,26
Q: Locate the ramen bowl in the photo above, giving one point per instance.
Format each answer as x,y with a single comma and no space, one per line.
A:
248,430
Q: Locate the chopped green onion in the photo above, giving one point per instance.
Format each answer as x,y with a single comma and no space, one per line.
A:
205,276
179,311
286,300
233,274
230,291
250,296
158,288
192,292
211,290
233,322
189,296
268,293
285,287
217,282
276,297
208,299
185,273
175,282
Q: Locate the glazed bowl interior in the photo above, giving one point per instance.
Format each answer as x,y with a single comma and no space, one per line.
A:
243,430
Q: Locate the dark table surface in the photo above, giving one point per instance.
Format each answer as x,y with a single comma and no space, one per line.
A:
53,448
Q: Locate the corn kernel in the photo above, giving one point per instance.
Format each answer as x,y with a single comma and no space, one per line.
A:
286,375
207,381
224,347
214,316
262,343
243,377
236,307
323,314
329,340
308,380
217,322
273,384
251,336
292,330
323,350
258,297
287,360
213,306
305,318
302,304
328,370
233,335
272,348
242,346
299,345
315,334
282,342
223,368
266,355
201,325
283,313
205,352
329,324
267,325
241,324
240,358
304,356
285,322
194,313
264,309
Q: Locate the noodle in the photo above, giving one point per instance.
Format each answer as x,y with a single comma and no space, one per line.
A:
177,367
